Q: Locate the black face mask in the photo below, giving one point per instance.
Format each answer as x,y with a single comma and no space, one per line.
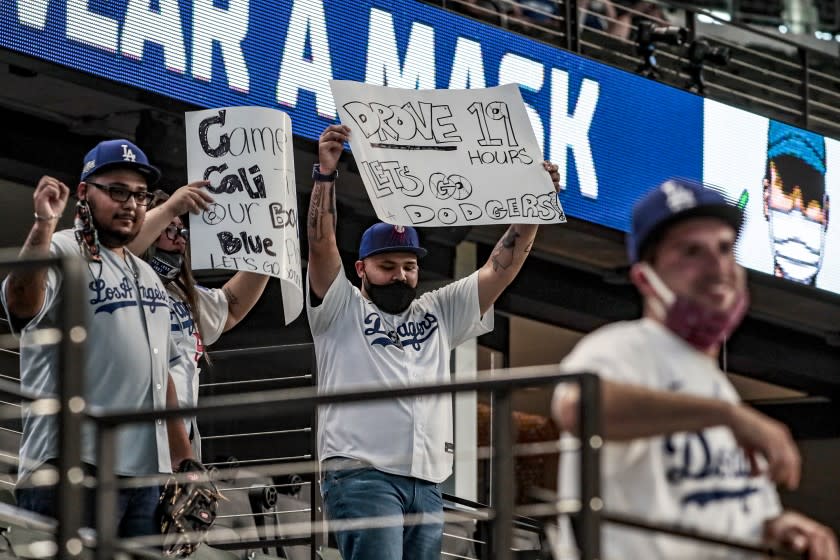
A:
391,298
167,264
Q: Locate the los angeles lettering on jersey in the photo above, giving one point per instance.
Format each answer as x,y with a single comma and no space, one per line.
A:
110,298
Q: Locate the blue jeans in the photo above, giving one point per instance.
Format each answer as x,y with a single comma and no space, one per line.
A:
366,492
135,508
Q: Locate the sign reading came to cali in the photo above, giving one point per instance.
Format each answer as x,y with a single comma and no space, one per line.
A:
246,153
447,157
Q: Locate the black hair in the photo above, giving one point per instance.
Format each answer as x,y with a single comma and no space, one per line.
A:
794,172
185,282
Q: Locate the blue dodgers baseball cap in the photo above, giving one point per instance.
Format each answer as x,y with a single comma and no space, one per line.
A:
119,153
386,238
673,201
786,140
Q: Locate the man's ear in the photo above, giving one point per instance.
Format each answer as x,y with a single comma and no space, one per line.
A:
656,296
81,191
640,279
649,284
360,268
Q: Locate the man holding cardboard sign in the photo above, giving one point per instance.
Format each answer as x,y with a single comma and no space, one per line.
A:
387,459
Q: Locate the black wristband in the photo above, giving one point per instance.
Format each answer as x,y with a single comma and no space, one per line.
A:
320,177
189,465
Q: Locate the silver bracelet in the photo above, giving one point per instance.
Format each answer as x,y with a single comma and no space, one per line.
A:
39,218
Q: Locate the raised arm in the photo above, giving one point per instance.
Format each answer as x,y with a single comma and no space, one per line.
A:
509,255
190,198
324,259
631,411
243,291
26,287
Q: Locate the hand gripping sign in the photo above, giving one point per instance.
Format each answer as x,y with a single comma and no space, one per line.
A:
246,153
447,157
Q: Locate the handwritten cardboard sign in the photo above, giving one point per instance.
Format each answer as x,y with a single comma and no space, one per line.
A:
246,153
447,157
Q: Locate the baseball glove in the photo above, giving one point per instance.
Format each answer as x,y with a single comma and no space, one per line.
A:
187,509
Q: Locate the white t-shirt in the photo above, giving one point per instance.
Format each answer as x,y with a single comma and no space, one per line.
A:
214,313
358,345
694,480
190,345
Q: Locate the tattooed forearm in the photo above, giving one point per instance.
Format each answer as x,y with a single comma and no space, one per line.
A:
314,205
512,249
231,297
26,287
321,221
503,254
331,208
34,242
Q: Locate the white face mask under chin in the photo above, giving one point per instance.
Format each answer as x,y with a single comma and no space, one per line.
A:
797,244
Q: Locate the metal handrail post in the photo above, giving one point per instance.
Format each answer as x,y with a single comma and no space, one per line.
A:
314,486
570,21
591,442
70,392
106,492
501,486
691,25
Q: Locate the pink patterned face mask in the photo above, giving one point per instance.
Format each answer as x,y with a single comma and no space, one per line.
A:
695,323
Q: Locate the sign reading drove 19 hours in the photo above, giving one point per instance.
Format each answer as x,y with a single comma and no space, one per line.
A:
246,154
447,157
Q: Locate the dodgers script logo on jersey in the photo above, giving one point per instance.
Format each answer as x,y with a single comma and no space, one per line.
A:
410,333
704,473
182,325
107,299
181,317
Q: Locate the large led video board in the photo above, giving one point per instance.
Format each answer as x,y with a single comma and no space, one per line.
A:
613,134
784,177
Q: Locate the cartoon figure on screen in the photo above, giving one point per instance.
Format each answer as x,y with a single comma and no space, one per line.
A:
795,201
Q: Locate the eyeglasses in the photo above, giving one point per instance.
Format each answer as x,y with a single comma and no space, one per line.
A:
121,194
173,232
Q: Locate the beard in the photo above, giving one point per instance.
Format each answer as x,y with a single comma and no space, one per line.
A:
110,237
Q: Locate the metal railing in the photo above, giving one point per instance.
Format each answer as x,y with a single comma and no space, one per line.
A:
589,509
255,405
69,406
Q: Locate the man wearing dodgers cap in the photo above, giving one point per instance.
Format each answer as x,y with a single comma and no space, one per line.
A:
681,448
129,350
382,462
